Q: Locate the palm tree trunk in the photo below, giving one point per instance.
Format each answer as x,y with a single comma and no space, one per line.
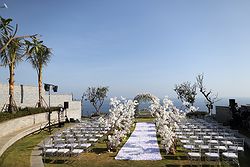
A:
11,88
40,87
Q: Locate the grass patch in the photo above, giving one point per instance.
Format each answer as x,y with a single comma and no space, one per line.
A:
18,155
144,119
143,114
5,116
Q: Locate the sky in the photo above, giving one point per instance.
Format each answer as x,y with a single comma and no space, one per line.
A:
136,46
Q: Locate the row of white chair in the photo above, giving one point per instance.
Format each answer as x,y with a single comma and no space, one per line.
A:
73,141
220,143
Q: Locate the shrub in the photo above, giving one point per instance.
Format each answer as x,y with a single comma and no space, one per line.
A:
5,116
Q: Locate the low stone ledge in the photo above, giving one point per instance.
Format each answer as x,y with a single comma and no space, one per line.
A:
8,140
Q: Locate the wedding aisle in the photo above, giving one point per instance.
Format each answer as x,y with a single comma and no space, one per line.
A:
142,144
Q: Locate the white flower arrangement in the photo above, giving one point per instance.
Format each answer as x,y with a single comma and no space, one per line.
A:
190,107
121,119
166,116
122,113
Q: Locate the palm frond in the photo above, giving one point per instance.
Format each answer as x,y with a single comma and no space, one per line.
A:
38,54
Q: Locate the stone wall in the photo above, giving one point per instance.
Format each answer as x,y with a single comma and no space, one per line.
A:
27,96
17,124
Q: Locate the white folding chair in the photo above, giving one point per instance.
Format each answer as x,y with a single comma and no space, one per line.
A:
238,144
48,152
212,155
231,156
76,151
83,145
194,155
71,143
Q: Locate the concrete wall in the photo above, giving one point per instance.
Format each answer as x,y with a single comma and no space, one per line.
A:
17,124
30,95
223,114
74,110
27,96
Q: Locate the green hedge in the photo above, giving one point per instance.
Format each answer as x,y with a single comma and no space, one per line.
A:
4,116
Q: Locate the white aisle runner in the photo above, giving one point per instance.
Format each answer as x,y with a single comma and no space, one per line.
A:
141,145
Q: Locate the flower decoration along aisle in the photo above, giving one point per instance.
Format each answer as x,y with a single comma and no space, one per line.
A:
121,119
166,118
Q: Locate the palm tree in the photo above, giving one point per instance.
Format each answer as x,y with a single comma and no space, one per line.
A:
8,33
39,56
11,55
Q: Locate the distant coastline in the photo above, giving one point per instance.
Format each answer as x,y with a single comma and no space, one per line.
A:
200,102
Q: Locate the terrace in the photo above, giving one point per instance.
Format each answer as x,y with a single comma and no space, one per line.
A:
85,143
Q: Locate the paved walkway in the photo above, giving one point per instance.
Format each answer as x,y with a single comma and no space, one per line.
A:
7,140
142,144
36,159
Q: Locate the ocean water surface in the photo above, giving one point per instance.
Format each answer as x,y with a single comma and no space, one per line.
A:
88,109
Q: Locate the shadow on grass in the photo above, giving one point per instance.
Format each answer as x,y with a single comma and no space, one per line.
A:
58,161
197,165
113,154
244,157
167,157
99,150
186,165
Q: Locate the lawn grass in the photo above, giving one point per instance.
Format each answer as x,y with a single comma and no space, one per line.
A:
99,157
18,155
5,116
144,119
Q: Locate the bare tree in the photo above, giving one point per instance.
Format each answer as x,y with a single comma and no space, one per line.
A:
96,97
210,97
186,92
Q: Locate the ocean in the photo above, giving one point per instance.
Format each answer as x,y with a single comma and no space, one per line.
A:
88,109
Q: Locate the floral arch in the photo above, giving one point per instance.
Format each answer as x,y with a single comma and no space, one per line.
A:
145,97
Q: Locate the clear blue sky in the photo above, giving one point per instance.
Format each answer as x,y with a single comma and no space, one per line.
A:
136,46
